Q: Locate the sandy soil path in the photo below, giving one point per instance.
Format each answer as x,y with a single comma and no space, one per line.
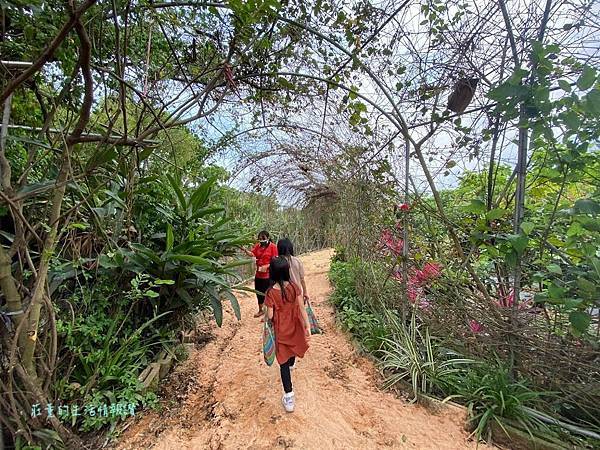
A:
225,397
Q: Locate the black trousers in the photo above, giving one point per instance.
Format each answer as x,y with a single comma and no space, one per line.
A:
286,376
261,285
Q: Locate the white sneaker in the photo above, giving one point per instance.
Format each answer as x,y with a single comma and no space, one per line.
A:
288,402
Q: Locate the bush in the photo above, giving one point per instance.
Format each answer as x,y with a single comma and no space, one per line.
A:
492,396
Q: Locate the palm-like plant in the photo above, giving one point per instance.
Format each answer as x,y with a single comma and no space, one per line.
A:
194,244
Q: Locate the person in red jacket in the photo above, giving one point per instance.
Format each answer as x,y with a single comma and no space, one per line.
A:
264,250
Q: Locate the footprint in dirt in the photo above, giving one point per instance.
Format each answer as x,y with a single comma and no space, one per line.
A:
284,442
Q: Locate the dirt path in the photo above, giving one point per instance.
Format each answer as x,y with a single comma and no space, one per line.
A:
225,397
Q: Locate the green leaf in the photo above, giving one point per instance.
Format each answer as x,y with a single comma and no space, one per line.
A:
511,258
580,320
495,214
571,119
518,242
586,285
587,206
202,193
178,192
192,259
556,292
144,154
596,264
564,85
185,296
592,103
35,187
160,282
587,78
234,303
170,237
476,206
217,307
527,227
101,158
554,268
591,225
239,262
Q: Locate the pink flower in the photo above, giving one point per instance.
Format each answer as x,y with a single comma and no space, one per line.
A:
430,271
424,304
508,300
475,326
413,293
390,242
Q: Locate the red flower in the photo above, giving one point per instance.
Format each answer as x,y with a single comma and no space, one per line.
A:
475,326
404,207
430,271
389,242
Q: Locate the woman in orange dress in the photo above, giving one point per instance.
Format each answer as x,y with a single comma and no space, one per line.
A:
285,307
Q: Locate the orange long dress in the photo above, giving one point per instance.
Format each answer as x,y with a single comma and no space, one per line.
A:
288,324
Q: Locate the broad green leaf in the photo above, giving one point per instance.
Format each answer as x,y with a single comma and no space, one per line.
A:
114,196
587,206
234,303
201,194
586,285
511,258
592,102
476,206
596,264
571,119
556,292
240,262
580,320
564,85
556,242
144,154
178,192
527,227
101,158
192,259
591,225
217,307
519,242
205,212
554,268
170,237
587,78
185,296
35,188
496,213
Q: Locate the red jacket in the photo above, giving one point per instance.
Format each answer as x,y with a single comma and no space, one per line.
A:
263,257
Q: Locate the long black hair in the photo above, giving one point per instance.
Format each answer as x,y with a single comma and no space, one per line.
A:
279,272
285,247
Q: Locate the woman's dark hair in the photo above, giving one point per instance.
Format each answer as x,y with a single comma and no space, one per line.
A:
285,247
279,271
264,233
